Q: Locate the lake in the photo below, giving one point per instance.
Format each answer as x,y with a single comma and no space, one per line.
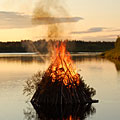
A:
101,74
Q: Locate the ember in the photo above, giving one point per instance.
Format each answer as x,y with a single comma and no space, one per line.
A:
61,84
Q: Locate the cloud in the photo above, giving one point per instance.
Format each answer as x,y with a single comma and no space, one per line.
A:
111,37
116,30
53,20
91,30
10,20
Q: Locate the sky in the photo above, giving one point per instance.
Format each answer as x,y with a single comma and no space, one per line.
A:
89,20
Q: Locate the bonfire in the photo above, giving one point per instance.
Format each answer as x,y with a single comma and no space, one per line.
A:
61,84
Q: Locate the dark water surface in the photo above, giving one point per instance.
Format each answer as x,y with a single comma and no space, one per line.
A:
100,74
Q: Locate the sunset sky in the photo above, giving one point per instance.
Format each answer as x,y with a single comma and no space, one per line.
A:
96,20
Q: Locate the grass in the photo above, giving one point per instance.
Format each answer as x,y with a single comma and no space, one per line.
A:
114,53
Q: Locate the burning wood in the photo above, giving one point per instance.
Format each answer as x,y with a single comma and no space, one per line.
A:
61,84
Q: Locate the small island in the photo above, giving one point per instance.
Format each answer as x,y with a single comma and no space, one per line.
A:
113,54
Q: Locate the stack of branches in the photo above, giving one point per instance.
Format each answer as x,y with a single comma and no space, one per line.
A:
60,86
49,92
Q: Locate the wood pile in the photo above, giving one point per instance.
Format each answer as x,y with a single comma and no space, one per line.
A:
61,84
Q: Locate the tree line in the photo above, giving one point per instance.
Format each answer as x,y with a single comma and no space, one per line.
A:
44,46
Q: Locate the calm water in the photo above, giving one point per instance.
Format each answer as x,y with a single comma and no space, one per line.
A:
100,74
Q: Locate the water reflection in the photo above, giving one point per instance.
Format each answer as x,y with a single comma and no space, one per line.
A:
41,58
85,58
24,59
95,58
117,64
28,59
29,114
68,112
99,73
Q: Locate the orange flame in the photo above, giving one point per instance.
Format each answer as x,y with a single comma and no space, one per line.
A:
62,67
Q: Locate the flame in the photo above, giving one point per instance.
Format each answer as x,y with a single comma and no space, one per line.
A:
62,68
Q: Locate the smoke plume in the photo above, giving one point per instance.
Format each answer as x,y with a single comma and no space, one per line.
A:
52,13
